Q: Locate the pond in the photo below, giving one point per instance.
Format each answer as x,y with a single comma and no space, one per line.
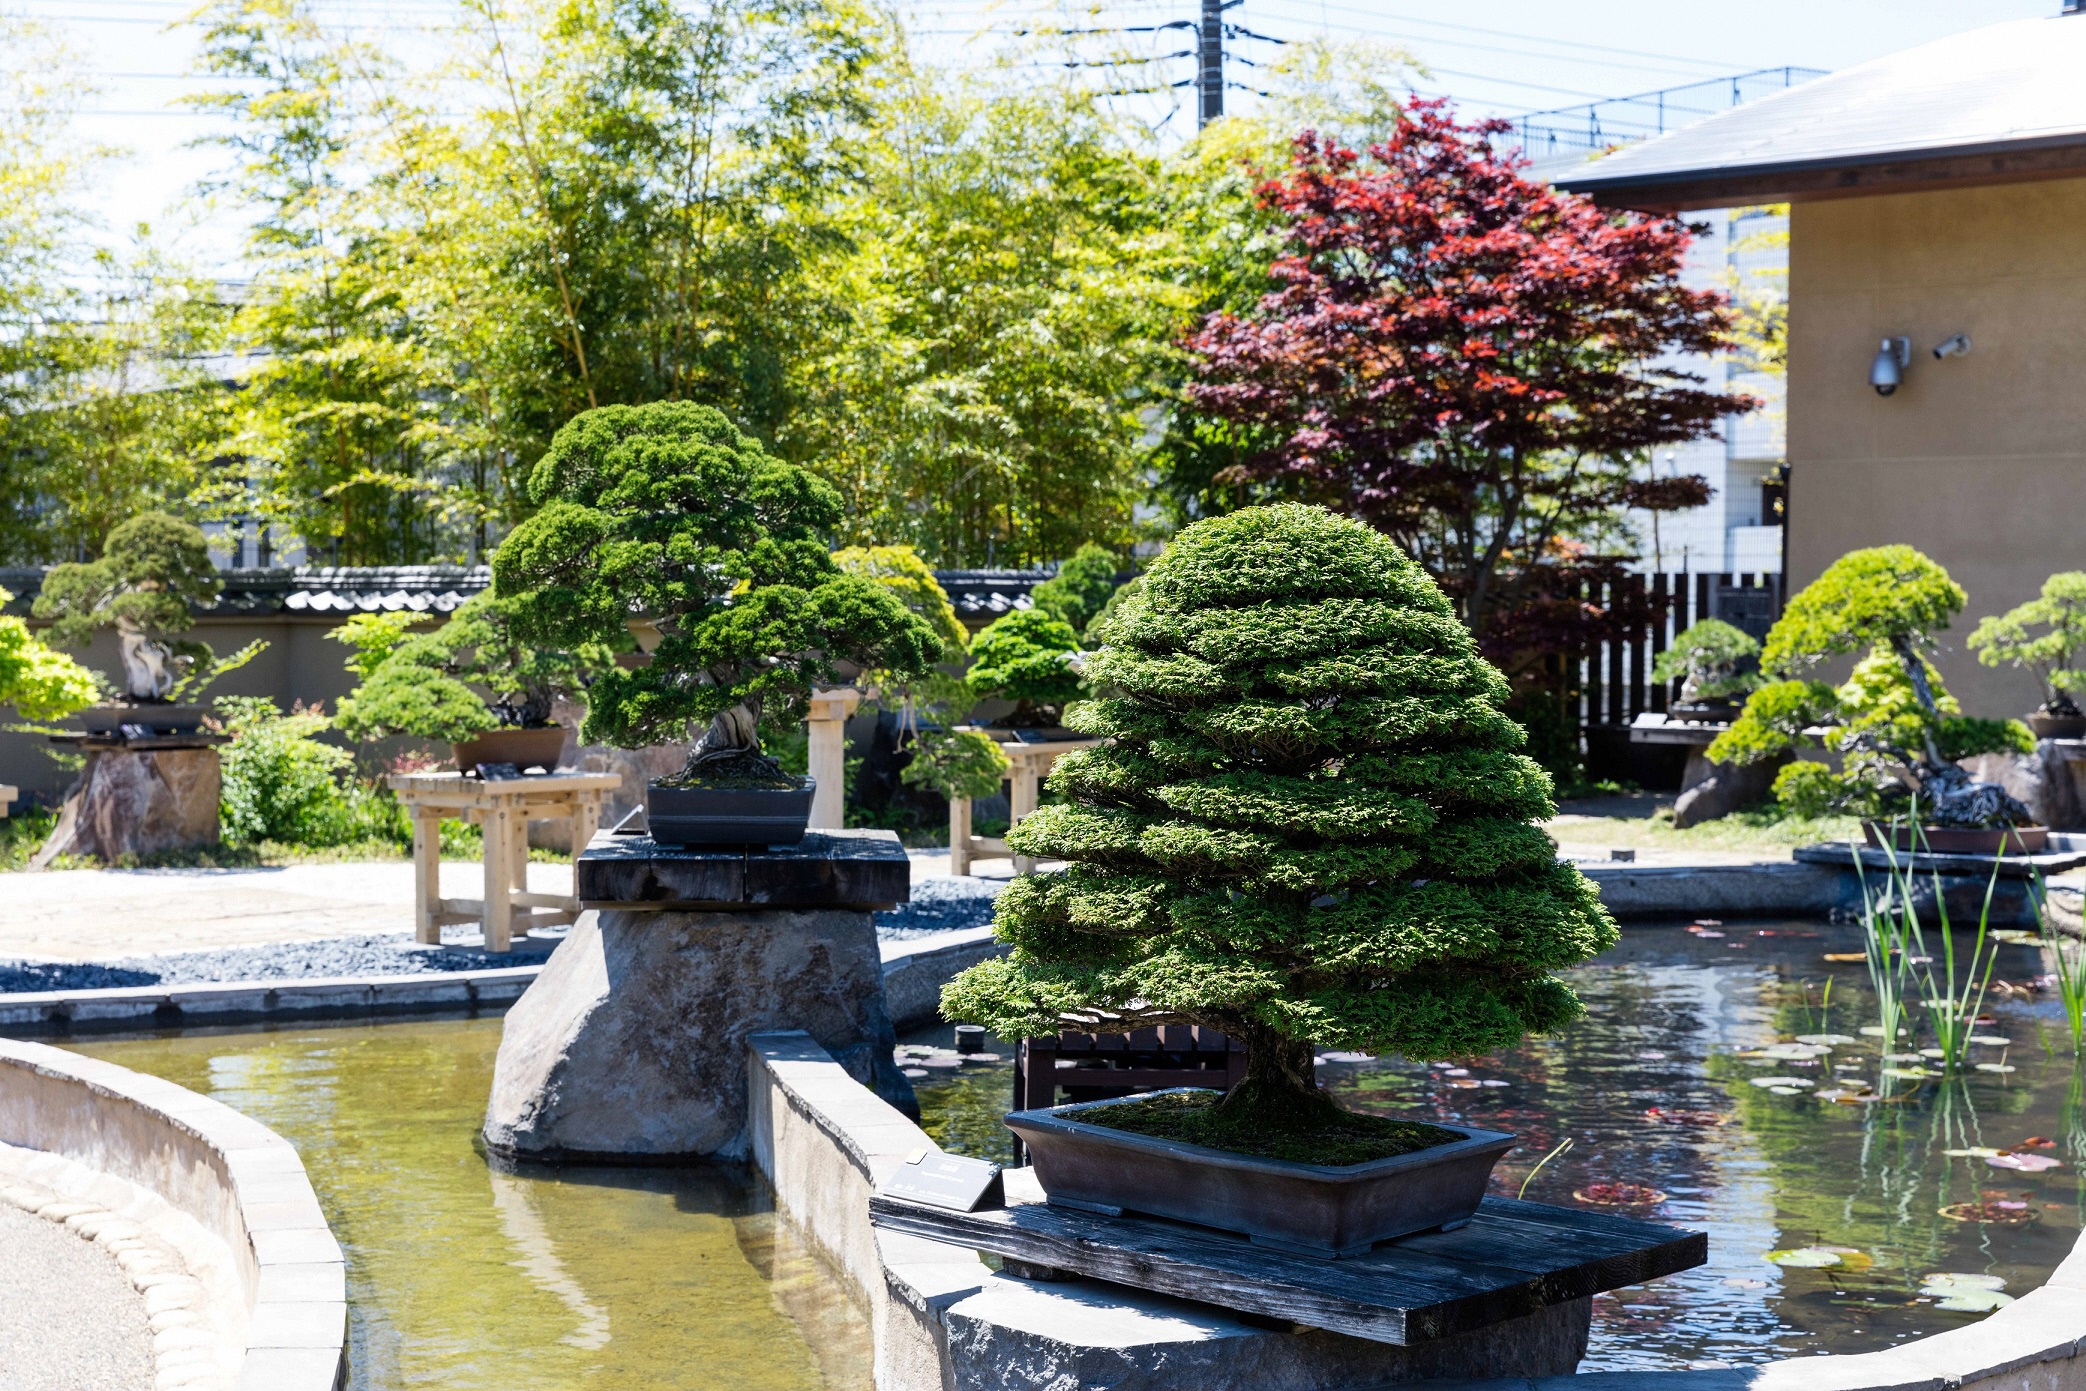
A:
1656,1087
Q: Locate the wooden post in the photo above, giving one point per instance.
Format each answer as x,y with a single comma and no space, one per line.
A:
1026,780
499,878
959,835
427,875
827,728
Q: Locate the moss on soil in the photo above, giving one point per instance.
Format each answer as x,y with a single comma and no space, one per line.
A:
1346,1137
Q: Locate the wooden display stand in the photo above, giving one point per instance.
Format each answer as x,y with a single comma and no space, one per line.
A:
7,797
505,807
826,727
1027,766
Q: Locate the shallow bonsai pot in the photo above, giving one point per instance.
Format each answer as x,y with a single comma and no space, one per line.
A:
160,719
729,815
1704,711
2058,726
1941,840
524,748
1316,1209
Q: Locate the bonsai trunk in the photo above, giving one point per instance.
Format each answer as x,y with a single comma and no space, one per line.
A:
731,747
1280,1090
1953,800
145,673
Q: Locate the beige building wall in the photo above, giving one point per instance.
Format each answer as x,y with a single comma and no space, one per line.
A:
1979,461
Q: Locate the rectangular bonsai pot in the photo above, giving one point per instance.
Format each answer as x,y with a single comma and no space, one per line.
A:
1942,840
160,719
1316,1209
729,815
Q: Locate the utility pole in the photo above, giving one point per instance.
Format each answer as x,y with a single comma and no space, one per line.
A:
1210,78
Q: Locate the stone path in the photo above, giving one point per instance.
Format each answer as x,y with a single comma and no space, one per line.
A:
69,1319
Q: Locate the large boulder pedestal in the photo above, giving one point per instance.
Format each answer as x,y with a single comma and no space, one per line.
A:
632,1043
136,802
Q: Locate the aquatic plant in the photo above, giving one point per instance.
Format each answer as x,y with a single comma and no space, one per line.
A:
1900,965
2068,962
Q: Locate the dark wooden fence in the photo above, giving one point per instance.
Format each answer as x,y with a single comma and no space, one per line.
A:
1615,684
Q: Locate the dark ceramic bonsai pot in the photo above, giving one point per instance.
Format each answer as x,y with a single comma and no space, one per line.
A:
160,719
729,815
524,748
1316,1209
1940,840
1717,711
2058,726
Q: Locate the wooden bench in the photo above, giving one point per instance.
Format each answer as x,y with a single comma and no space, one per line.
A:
1091,1067
504,807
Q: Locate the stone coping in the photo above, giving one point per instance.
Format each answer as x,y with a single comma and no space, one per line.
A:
241,1181
943,1320
826,869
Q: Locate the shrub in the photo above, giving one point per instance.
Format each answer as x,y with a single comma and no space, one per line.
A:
1313,827
956,763
1080,589
667,512
1028,657
280,783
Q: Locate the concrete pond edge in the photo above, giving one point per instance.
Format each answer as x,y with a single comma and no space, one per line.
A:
240,1181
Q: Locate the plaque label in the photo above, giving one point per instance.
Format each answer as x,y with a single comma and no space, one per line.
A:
951,1181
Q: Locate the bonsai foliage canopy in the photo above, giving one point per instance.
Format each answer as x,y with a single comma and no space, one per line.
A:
1708,660
1029,657
152,568
2060,612
1081,587
1314,826
668,514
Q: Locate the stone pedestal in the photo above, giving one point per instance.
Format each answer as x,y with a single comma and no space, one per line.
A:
138,802
631,1044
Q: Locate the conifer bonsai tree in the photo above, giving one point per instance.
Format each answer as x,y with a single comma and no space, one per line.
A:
2052,654
1080,589
1031,657
1709,660
1313,827
668,514
152,568
1892,720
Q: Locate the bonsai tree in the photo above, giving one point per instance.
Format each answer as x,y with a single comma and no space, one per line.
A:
1030,657
668,514
41,684
2010,638
1893,722
955,763
151,570
1709,662
424,686
1313,828
1080,589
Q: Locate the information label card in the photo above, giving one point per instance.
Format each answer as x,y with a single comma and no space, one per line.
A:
950,1181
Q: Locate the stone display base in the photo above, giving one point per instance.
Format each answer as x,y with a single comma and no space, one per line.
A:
138,802
631,1044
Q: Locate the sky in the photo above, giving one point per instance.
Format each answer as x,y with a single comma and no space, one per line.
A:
1496,57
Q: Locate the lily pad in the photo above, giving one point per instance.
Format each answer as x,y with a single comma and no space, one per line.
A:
1975,1152
1620,1195
1949,1280
1933,1052
2024,1163
1910,1074
1996,1067
1991,1040
1771,1082
1806,1258
1794,1050
1965,1293
1902,1058
1849,956
1826,1040
1992,1212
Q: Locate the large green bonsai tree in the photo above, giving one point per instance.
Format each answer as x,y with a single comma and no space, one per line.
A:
1892,721
1709,660
1313,828
152,568
2052,654
469,676
1031,657
669,515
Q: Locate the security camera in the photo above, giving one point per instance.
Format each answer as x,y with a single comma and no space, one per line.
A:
1954,346
1888,370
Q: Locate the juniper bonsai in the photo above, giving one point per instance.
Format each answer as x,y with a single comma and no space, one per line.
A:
668,514
1030,657
2060,612
1709,660
152,568
1313,827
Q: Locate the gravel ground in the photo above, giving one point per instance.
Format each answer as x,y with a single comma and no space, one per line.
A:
69,1321
938,905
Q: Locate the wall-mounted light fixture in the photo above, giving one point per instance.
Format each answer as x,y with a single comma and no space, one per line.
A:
1954,346
1888,370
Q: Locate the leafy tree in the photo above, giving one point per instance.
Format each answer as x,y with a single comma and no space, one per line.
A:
2060,611
1891,721
1031,658
1312,828
1470,362
669,513
279,782
1081,587
152,569
39,683
1709,661
372,637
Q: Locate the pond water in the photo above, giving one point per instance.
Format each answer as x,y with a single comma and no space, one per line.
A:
1654,1088
461,1276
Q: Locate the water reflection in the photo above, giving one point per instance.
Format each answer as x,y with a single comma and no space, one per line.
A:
461,1278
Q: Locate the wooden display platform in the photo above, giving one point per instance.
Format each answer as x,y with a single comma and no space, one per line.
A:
1513,1259
827,869
1839,854
1027,766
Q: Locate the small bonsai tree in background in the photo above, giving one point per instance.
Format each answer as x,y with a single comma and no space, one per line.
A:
467,677
1710,660
151,570
1892,720
1031,658
955,763
41,684
1080,589
668,514
2011,639
1313,828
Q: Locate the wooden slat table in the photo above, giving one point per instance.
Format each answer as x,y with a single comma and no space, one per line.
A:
505,807
1513,1259
1028,765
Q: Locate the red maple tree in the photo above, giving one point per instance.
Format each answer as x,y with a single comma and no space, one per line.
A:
1475,364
